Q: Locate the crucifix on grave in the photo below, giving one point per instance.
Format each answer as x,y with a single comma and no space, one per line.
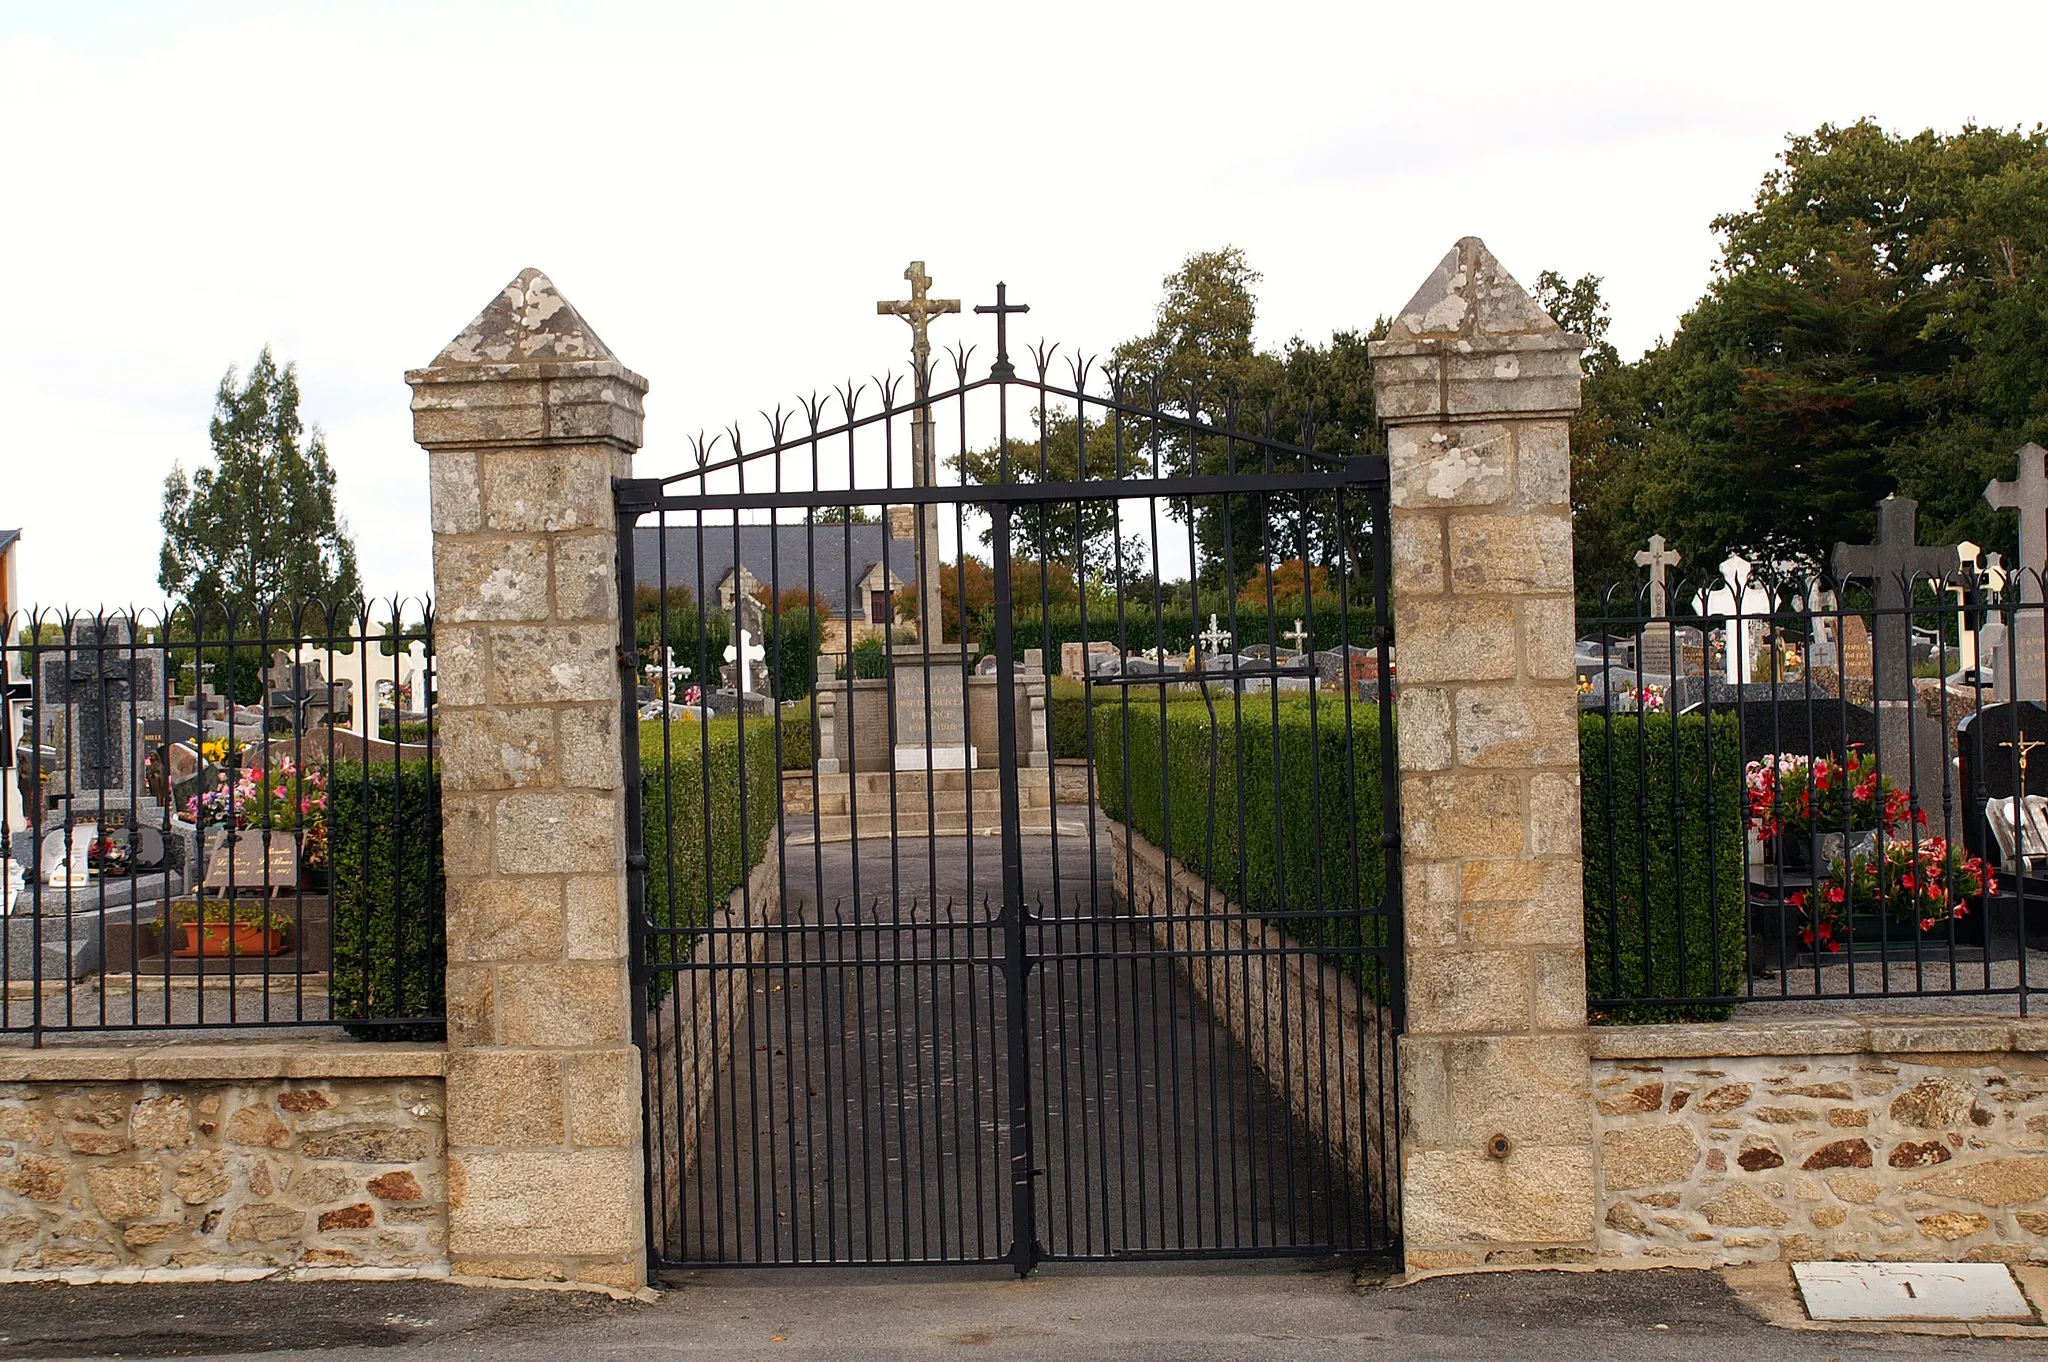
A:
1215,636
1298,636
1656,650
2028,494
918,310
1890,565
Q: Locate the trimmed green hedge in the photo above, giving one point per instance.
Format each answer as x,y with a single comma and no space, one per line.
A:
388,897
699,850
1067,703
1281,811
1664,880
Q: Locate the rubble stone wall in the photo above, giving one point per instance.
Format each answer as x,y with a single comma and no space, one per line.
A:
1913,1141
227,1172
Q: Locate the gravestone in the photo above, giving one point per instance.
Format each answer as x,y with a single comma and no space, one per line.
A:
299,690
96,694
1656,646
1746,606
415,679
251,861
1077,658
2001,750
2025,675
1855,656
1891,566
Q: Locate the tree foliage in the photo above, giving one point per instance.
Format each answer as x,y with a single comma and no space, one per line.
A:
258,526
1874,325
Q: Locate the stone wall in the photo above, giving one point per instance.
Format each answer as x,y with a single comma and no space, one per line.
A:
1320,1044
239,1166
1917,1141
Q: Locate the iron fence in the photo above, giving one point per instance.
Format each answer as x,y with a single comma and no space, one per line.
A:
220,818
1816,792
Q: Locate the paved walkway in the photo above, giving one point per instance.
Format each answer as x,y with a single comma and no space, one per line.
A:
1189,1313
865,1115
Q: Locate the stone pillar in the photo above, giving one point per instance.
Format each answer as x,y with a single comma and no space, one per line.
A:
1477,387
526,418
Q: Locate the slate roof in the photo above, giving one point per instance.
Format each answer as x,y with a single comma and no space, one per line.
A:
7,537
784,557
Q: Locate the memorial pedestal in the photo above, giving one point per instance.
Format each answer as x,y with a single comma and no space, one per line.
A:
931,711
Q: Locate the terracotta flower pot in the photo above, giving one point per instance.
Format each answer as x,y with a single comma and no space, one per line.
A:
224,939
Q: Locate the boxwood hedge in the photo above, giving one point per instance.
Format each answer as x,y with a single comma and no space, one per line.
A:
704,836
387,901
1661,827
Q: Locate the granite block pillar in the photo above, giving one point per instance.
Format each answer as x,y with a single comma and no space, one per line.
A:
526,418
1477,387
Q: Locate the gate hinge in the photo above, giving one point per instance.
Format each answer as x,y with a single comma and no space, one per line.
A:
1365,469
636,494
1389,840
1383,635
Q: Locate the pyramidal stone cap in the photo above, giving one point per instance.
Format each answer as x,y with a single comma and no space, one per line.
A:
528,322
1472,343
527,369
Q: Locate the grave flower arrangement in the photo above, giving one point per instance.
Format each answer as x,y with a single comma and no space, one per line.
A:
287,797
1791,796
108,855
1897,888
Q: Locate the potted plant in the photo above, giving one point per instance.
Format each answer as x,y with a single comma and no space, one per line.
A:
222,927
1894,891
1794,801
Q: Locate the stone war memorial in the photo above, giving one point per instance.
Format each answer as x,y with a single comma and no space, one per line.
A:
855,840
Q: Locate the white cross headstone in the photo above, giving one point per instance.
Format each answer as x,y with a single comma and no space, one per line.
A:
1215,637
1657,558
1969,557
1745,604
1298,636
746,655
414,668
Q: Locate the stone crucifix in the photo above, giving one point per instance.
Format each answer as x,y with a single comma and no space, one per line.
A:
919,309
744,656
1215,636
1890,565
2027,494
1298,636
1657,558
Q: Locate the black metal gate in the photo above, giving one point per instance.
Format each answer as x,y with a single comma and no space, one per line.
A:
1013,827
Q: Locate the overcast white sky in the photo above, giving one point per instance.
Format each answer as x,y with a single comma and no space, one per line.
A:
725,190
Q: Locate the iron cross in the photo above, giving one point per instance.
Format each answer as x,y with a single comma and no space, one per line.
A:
1657,558
2027,494
1890,565
918,310
1002,307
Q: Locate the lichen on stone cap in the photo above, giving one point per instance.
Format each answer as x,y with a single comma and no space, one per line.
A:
528,322
1470,295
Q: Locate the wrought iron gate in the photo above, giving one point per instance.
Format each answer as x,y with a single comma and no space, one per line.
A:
1012,827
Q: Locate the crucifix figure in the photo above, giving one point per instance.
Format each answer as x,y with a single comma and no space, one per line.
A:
1215,636
918,310
1890,565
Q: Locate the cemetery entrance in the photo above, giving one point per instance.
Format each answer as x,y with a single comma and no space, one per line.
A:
1012,833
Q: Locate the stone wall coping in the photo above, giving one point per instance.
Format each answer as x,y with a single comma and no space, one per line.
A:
1828,1036
537,369
168,1063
